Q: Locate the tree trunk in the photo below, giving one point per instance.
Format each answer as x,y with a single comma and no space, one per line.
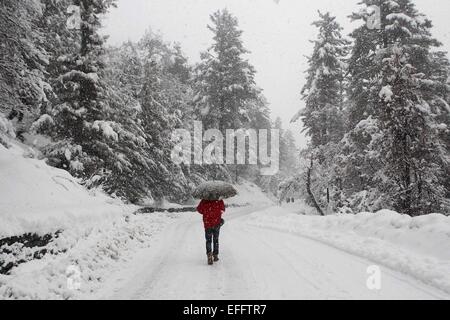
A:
328,195
308,189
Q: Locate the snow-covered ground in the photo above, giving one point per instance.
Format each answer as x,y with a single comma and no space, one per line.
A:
100,235
161,256
36,198
419,246
92,254
267,252
257,262
41,199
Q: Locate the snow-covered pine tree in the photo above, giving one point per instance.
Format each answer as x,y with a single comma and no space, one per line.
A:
124,78
161,114
259,116
23,85
179,65
358,161
80,118
59,43
323,115
271,183
323,92
289,160
406,100
446,133
129,176
125,70
150,99
177,85
225,90
363,71
356,167
259,113
225,79
153,79
440,72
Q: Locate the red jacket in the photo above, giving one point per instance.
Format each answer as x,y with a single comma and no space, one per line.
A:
212,212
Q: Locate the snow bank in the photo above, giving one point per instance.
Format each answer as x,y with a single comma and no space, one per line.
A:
419,246
91,256
6,128
35,197
299,206
99,233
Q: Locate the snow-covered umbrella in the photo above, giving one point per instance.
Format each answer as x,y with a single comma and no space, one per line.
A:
214,190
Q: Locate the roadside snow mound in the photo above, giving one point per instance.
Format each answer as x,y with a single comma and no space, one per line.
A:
37,198
99,233
249,194
418,246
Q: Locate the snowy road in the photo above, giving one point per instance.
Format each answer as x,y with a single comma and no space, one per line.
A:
256,263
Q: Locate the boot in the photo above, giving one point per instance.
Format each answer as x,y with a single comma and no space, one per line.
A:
216,258
210,258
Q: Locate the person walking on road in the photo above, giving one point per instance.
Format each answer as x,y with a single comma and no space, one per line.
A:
212,211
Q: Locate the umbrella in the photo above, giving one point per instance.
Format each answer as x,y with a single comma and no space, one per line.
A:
214,190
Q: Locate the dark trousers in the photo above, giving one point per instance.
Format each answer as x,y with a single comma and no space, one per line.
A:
212,237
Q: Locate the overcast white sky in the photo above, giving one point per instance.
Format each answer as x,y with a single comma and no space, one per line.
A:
277,32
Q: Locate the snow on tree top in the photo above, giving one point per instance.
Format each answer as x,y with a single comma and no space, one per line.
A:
386,93
106,129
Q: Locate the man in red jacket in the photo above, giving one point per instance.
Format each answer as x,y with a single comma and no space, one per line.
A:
212,211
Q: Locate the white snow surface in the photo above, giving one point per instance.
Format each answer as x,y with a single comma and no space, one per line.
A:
267,252
94,251
6,127
259,260
249,194
37,198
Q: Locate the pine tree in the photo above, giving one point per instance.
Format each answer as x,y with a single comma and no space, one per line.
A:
23,59
125,70
179,65
162,102
226,96
130,178
80,117
323,92
440,72
149,100
225,80
289,159
324,114
59,42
